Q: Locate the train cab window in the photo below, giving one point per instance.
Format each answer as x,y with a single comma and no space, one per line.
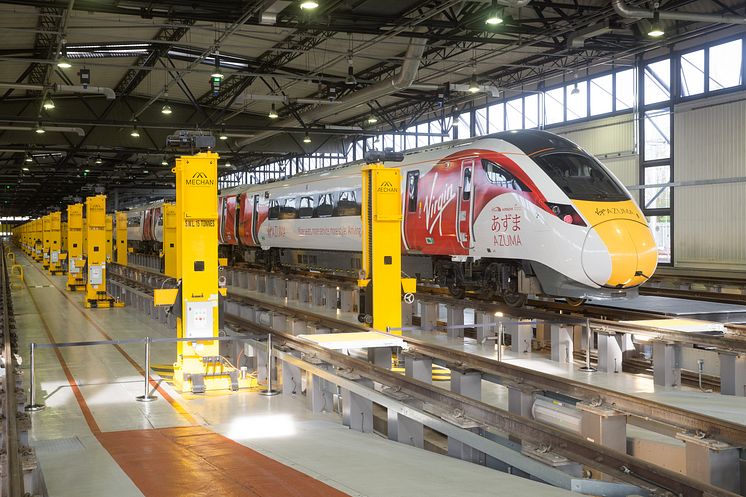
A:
581,176
347,204
502,178
305,207
466,194
133,222
326,205
413,181
288,210
274,209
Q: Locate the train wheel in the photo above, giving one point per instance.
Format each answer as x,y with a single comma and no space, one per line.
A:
515,299
575,302
456,290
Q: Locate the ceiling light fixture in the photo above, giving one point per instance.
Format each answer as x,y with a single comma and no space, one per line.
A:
350,79
656,29
134,133
29,158
222,135
164,162
495,16
575,90
63,62
473,85
273,113
48,104
217,73
25,169
98,160
372,119
39,129
166,109
306,139
308,4
145,171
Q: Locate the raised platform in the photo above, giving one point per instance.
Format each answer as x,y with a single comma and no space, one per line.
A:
673,307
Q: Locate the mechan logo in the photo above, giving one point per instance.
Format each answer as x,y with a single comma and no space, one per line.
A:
199,179
387,187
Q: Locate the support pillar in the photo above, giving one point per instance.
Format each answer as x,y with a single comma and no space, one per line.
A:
482,320
292,290
297,326
357,411
251,281
520,400
291,378
261,283
520,337
317,294
303,294
407,309
711,461
380,357
348,300
610,353
279,322
467,382
330,297
319,392
418,367
666,364
428,315
603,425
732,374
454,317
562,343
280,287
543,334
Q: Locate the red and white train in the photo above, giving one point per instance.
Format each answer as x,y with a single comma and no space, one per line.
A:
511,214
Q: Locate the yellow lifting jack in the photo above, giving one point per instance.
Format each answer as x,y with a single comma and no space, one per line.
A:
121,244
382,286
195,303
75,260
95,289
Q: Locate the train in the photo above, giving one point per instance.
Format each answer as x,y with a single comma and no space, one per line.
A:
508,215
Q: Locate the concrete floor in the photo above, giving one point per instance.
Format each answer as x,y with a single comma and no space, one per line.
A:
76,464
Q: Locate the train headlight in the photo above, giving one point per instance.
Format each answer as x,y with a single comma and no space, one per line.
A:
567,213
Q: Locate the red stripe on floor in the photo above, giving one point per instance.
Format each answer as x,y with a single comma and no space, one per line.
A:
194,461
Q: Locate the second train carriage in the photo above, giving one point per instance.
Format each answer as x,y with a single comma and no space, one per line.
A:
511,214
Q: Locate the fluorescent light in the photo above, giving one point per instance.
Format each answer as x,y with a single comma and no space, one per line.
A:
308,4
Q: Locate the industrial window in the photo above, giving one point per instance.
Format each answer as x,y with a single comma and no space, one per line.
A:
531,111
305,207
657,135
288,210
725,65
464,125
274,209
497,118
466,194
657,82
661,228
436,129
410,139
514,114
502,178
576,96
422,139
447,127
693,73
658,197
347,205
625,89
326,205
413,179
554,106
602,95
480,122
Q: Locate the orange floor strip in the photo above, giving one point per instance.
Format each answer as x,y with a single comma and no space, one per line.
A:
194,461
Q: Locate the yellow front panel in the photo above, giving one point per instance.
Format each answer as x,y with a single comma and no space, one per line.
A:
54,237
109,236
95,208
122,238
169,239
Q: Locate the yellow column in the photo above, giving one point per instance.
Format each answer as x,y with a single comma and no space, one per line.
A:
54,240
75,259
169,239
46,225
122,238
95,294
109,237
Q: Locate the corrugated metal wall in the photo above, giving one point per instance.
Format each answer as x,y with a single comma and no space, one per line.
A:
612,140
709,224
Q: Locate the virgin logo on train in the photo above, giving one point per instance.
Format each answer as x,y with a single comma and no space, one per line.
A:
436,205
200,179
387,187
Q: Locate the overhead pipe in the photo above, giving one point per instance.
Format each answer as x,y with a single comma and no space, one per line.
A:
57,88
61,129
624,10
401,81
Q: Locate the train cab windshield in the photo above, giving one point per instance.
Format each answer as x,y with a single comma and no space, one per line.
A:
580,176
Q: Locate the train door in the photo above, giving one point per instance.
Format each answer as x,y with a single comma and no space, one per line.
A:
229,220
410,208
465,205
255,221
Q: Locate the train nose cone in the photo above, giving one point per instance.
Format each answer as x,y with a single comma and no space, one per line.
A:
619,253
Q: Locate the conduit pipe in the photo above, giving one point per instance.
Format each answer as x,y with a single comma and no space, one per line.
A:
57,88
623,10
61,129
401,81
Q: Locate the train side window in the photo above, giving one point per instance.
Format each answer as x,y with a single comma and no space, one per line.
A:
288,210
274,209
466,194
305,207
500,177
413,181
348,205
133,222
326,205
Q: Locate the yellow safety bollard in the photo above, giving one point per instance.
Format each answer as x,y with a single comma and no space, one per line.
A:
16,268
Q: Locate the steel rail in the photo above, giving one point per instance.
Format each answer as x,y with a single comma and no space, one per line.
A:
617,464
12,483
666,418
